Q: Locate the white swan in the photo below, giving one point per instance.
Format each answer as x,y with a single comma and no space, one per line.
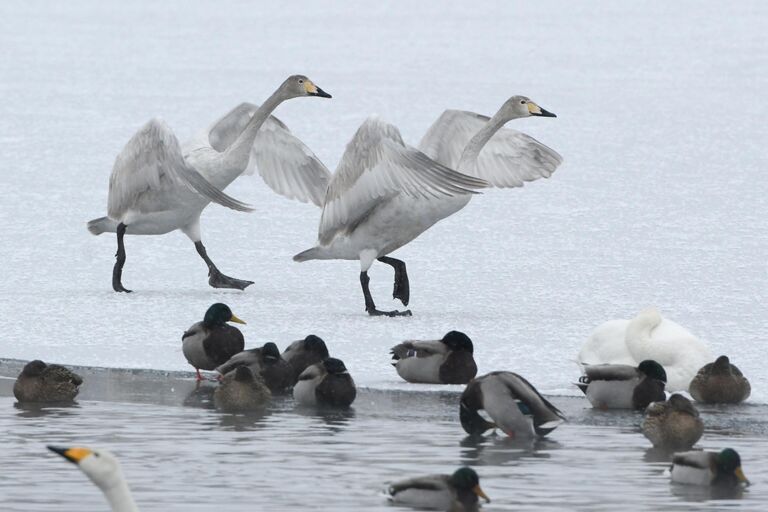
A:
648,336
155,188
384,193
104,470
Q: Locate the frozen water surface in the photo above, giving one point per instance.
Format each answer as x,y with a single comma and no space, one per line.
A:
661,121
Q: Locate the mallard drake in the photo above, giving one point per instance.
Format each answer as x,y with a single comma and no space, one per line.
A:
241,391
40,382
458,492
212,342
304,353
720,383
265,361
515,406
104,470
673,424
621,386
708,468
325,383
445,361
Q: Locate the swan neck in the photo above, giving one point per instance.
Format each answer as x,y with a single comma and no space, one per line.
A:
120,499
638,333
478,141
238,154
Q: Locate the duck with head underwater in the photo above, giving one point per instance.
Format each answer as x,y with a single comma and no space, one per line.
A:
212,342
458,492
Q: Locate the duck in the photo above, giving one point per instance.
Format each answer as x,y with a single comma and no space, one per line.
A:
648,336
266,362
445,361
212,342
241,390
458,492
720,383
708,468
325,383
103,469
302,354
514,405
385,193
156,188
40,382
621,386
673,424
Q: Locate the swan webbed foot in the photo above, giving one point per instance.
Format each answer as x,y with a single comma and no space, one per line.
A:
376,312
118,287
218,280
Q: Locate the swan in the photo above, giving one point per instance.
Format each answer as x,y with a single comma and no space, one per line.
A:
325,383
155,188
515,406
103,469
212,342
385,194
720,383
708,468
445,361
619,386
40,382
648,336
673,424
457,492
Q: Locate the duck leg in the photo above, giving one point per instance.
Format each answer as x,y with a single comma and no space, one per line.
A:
117,270
215,277
402,289
370,306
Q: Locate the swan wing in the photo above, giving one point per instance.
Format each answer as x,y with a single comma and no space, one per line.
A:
150,173
283,161
509,159
376,166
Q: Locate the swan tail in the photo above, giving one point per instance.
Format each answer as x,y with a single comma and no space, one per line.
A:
310,254
640,328
102,225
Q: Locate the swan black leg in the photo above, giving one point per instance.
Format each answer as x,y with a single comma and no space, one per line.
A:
370,307
215,277
402,289
117,270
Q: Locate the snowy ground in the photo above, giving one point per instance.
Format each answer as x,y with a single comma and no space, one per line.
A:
661,199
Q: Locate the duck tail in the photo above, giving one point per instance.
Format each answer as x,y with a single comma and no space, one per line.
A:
102,225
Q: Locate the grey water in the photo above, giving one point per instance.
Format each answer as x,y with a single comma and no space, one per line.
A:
178,453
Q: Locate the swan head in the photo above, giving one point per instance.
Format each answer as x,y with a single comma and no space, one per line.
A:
522,106
219,314
296,86
100,466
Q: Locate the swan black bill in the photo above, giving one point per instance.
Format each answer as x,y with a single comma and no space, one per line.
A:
543,113
321,93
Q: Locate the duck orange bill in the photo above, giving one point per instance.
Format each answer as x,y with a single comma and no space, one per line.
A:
477,490
74,455
740,475
236,320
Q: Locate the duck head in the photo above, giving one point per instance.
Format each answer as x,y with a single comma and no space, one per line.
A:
458,341
270,351
34,368
466,479
653,370
219,314
729,465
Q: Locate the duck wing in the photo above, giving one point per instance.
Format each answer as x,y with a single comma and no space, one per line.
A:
509,159
421,348
546,417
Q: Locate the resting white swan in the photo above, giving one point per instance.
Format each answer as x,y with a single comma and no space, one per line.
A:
155,188
648,336
384,193
103,469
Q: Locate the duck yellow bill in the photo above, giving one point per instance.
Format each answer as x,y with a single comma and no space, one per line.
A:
477,490
236,320
740,475
74,455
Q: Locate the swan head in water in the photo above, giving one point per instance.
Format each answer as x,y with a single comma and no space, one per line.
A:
296,86
99,465
521,106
